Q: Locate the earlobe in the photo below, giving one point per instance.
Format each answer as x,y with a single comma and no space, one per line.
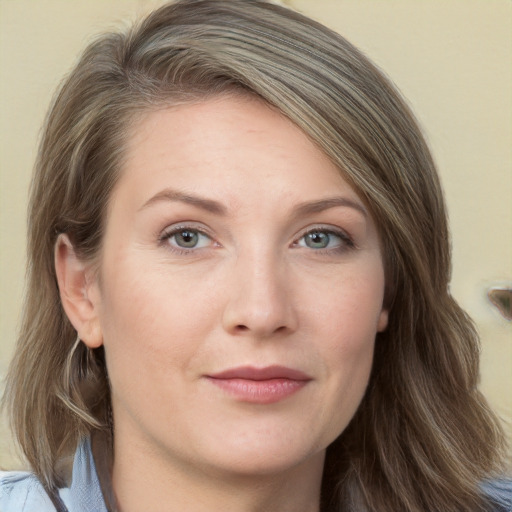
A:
77,292
382,322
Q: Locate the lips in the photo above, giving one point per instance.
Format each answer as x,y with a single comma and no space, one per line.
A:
260,385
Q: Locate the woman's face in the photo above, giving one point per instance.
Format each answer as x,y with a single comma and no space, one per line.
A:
239,293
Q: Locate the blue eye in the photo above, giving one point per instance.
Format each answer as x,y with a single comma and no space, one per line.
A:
324,239
317,240
187,238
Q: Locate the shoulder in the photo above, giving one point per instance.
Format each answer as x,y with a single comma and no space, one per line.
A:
23,492
499,492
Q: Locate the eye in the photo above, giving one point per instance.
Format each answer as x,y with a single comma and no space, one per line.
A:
186,238
318,240
324,239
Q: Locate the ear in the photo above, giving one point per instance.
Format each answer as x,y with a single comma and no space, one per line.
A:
382,322
79,292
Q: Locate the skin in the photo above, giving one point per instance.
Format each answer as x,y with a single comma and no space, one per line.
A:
255,290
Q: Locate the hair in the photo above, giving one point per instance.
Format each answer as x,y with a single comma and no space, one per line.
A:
423,437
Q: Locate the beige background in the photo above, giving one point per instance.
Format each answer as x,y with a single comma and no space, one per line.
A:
452,60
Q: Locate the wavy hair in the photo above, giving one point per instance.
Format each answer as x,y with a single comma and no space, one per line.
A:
423,437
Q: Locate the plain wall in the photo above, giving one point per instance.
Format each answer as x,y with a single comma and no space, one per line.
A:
452,60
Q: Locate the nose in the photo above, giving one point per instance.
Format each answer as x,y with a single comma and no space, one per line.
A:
260,302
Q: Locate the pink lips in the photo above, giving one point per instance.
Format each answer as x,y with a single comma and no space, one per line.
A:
260,385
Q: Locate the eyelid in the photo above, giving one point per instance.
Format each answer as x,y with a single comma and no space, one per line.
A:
346,238
347,241
173,229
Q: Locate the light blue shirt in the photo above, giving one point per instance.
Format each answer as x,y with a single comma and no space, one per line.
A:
21,491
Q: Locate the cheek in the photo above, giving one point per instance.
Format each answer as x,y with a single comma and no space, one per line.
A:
348,348
345,321
152,320
349,360
349,306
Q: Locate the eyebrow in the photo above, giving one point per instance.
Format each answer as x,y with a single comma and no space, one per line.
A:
330,202
218,208
168,194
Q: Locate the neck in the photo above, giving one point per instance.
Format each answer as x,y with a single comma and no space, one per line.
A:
145,480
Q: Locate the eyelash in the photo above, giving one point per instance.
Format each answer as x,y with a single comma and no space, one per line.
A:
346,243
174,230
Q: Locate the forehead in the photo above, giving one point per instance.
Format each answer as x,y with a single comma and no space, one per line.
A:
225,141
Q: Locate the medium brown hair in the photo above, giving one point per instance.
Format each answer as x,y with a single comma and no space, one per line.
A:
423,438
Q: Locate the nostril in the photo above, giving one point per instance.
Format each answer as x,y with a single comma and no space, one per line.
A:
241,328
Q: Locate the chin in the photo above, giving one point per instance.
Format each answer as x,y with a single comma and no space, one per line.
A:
265,455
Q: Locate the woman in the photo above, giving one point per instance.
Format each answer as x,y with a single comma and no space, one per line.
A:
240,242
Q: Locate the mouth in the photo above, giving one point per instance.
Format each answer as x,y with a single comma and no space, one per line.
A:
260,385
